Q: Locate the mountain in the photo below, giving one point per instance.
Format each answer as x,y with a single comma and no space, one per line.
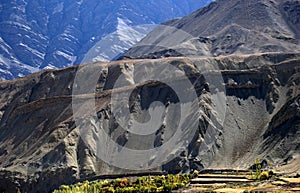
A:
37,34
207,109
54,134
226,27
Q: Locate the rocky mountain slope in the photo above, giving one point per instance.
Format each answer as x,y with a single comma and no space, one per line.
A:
60,126
227,27
35,34
42,145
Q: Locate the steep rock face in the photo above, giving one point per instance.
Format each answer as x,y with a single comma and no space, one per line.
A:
35,35
224,28
42,147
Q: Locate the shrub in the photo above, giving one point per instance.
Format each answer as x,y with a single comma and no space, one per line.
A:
259,174
107,190
195,173
153,188
264,175
167,187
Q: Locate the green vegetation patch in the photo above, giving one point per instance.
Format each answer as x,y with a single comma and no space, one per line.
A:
133,185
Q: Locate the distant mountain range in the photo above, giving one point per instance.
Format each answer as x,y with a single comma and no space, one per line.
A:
37,35
227,27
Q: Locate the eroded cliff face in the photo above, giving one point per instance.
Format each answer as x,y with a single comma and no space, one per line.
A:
42,147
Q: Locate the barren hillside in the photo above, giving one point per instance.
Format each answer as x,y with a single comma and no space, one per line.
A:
41,146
